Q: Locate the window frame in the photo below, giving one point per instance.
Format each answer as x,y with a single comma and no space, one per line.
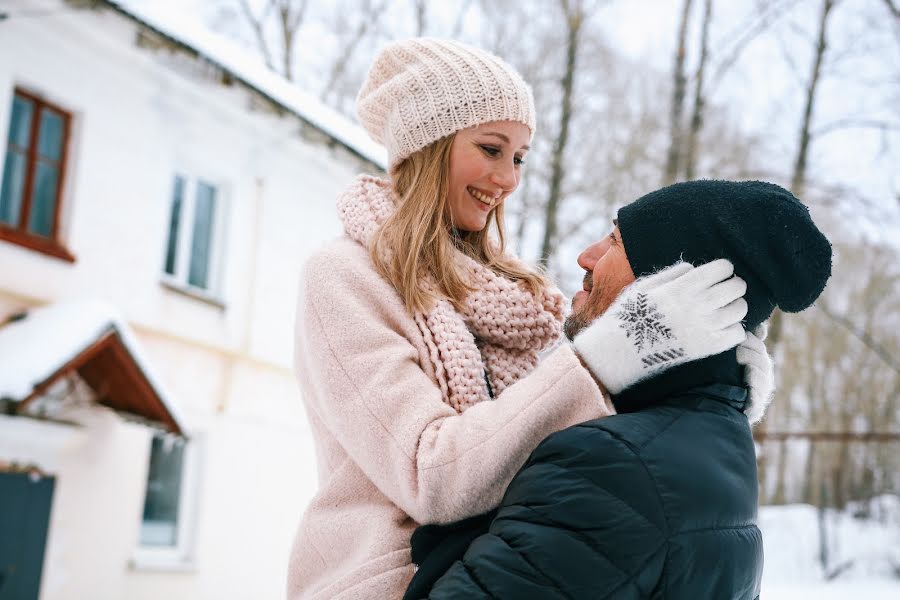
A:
182,555
19,234
179,280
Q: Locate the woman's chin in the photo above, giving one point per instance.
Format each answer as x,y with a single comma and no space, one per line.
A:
471,226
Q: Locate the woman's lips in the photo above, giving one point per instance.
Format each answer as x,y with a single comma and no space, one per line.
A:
483,199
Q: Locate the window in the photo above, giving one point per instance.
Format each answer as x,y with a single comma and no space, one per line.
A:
33,172
169,504
196,220
159,526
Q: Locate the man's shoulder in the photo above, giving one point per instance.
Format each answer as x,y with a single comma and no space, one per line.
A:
595,470
614,438
618,432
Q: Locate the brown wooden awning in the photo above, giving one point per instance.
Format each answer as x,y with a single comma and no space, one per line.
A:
104,356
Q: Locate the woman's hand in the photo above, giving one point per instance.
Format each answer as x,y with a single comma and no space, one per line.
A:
759,373
680,314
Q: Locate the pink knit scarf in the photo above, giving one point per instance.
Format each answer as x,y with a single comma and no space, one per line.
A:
498,335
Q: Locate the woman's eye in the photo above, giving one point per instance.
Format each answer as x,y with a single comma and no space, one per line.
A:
490,150
519,161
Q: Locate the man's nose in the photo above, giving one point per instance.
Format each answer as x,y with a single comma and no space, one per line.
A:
590,255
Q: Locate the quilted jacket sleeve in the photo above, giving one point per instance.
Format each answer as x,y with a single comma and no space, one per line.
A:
582,519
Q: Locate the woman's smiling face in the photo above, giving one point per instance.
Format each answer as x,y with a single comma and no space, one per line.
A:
485,166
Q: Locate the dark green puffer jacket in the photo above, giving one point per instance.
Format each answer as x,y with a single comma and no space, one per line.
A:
659,501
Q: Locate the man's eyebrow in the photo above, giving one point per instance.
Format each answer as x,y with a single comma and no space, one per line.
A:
504,137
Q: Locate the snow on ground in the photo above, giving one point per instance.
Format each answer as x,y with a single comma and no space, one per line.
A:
869,548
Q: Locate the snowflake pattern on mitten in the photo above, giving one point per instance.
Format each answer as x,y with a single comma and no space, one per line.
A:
642,321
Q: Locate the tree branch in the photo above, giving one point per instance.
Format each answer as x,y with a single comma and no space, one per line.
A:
855,124
749,34
371,16
880,351
256,24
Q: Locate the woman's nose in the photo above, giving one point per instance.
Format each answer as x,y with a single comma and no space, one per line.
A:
506,177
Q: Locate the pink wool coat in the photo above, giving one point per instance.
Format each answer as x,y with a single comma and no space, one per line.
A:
391,454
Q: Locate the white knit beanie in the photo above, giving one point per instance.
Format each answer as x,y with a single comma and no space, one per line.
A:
423,89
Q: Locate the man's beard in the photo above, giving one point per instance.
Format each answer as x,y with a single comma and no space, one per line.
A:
596,304
573,325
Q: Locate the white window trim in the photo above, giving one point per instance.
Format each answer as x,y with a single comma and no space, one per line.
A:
182,556
179,280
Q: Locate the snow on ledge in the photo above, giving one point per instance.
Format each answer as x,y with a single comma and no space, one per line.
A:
252,71
49,337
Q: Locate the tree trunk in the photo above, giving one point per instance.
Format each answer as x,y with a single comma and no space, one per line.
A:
673,159
780,495
810,486
574,20
256,24
421,16
699,101
798,179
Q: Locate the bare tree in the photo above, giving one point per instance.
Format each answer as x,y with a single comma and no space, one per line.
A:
257,24
370,13
679,88
288,15
690,158
421,14
574,18
798,177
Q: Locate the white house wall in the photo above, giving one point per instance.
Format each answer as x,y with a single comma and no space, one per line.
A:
140,117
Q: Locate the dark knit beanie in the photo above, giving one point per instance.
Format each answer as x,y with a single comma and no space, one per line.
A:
760,227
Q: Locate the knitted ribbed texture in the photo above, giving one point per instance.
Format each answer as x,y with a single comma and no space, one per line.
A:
500,332
421,90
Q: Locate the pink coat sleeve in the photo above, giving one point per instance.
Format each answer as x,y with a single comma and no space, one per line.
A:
363,380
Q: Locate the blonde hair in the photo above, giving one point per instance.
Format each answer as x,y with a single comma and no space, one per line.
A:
416,240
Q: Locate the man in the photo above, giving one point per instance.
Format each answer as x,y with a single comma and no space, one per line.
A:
660,500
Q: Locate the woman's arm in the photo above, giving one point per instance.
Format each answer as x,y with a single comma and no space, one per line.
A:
363,380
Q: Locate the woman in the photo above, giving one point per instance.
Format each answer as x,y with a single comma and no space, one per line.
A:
418,336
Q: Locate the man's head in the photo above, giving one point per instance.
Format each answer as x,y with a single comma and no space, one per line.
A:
607,272
760,227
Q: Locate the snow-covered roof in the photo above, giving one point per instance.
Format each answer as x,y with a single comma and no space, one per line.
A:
253,72
37,346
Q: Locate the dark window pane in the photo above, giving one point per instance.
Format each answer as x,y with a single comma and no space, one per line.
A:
51,135
201,242
20,123
43,200
160,523
12,189
174,221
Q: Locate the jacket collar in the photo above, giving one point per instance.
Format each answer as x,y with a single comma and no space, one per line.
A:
718,377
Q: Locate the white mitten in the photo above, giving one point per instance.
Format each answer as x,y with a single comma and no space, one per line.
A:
759,373
680,314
